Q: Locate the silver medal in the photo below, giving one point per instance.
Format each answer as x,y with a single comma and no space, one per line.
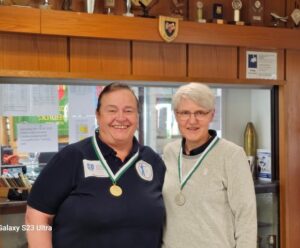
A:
180,199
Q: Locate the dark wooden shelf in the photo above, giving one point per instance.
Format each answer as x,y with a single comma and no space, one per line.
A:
146,29
78,24
12,207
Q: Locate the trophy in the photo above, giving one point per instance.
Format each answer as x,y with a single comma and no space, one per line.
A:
128,9
278,20
145,6
218,13
199,6
179,9
256,12
90,4
146,11
296,16
237,6
108,6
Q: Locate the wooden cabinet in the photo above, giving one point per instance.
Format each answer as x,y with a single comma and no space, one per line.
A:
207,60
18,19
160,59
33,52
99,56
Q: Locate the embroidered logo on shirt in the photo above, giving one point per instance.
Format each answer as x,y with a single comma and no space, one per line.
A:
93,168
144,170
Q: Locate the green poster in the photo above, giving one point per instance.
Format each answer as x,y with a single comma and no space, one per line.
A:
61,119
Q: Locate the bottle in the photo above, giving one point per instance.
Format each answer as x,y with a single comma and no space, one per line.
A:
271,241
250,145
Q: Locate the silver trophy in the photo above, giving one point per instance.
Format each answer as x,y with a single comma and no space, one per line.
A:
199,6
236,5
90,5
128,9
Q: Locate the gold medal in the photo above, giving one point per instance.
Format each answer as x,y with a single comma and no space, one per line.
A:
115,190
180,199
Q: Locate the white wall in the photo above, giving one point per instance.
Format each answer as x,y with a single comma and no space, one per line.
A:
261,117
243,105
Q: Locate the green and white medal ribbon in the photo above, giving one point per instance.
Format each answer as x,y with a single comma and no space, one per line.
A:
180,198
115,190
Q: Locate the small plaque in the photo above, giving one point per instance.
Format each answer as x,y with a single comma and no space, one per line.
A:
218,13
296,17
168,27
256,12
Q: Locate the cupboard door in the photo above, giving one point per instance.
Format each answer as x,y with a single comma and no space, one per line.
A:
33,52
212,62
105,57
158,59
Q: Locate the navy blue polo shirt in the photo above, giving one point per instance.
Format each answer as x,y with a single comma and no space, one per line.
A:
86,214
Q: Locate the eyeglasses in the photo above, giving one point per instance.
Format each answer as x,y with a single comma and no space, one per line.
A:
185,115
113,112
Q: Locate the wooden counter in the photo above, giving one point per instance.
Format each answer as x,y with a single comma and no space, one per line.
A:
12,207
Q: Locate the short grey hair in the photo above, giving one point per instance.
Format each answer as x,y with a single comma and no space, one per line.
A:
200,93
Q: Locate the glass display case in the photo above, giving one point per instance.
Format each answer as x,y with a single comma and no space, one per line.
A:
235,107
267,196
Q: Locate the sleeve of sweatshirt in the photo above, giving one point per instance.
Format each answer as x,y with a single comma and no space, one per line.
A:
242,199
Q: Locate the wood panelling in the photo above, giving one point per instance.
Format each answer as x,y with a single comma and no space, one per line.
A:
292,182
212,61
158,59
96,25
280,61
18,19
146,29
100,56
33,52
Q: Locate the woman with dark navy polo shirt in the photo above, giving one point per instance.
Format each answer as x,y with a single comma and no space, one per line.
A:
104,191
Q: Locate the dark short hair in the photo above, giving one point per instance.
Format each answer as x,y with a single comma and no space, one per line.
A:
114,87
